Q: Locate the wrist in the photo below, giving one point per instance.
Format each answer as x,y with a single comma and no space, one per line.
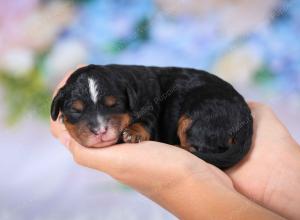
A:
208,198
204,194
281,193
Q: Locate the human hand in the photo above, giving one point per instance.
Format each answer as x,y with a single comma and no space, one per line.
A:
270,173
172,177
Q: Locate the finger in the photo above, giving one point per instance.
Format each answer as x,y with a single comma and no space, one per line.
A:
267,125
253,104
80,65
122,160
57,125
259,110
113,160
118,158
62,82
59,130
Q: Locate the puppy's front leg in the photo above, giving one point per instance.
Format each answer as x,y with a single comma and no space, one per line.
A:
143,128
136,133
144,111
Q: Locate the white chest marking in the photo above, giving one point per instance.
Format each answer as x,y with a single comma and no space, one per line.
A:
93,90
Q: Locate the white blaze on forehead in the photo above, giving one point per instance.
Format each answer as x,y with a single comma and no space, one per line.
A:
93,89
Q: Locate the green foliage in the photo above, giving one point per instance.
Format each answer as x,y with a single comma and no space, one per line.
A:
143,29
25,93
140,34
264,75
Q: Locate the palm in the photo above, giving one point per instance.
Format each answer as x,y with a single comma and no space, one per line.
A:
257,174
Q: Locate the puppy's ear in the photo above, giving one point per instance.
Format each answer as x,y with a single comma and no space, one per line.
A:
132,97
57,103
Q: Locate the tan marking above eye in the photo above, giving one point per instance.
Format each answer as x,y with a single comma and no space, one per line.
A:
110,101
78,105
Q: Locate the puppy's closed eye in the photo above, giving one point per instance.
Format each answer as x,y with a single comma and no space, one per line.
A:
76,109
77,106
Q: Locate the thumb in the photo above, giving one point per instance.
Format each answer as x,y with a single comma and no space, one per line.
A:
112,160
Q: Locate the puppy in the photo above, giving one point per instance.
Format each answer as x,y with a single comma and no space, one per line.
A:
197,111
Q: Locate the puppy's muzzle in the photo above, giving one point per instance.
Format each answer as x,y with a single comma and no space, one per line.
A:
99,130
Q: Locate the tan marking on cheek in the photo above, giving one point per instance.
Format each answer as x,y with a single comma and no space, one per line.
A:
120,121
110,101
184,123
78,105
77,131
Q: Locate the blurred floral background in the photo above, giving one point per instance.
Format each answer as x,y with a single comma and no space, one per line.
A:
255,45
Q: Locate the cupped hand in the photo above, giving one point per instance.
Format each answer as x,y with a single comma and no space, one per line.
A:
270,173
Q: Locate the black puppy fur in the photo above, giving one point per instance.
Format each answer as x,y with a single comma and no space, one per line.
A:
179,106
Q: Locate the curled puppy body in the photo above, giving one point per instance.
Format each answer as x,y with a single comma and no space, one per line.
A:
105,105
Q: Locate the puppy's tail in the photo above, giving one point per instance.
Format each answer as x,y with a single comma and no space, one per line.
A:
235,150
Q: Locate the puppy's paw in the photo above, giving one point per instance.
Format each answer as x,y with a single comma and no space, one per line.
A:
135,133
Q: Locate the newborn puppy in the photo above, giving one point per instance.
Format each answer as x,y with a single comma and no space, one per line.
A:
197,111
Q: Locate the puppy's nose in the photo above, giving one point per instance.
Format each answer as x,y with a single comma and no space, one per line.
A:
99,130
